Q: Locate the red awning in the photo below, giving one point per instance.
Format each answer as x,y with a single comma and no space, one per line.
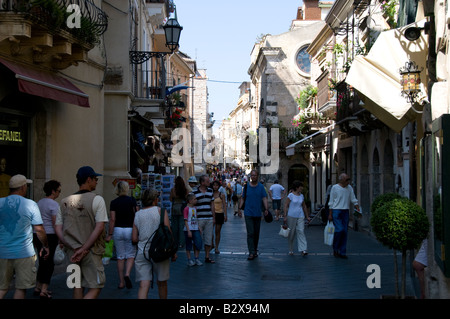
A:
47,85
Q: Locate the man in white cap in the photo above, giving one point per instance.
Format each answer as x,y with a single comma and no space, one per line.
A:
18,217
80,226
192,183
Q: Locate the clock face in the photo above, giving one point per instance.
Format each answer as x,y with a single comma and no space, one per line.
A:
304,60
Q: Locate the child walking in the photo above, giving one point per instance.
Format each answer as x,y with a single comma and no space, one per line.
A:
191,231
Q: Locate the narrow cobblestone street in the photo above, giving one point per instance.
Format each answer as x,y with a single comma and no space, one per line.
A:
273,275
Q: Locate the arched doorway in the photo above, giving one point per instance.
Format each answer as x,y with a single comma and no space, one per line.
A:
364,190
301,173
375,174
388,169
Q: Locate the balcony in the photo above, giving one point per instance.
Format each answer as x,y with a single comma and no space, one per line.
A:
49,32
355,120
326,97
149,77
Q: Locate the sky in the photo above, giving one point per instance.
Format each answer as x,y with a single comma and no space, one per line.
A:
220,36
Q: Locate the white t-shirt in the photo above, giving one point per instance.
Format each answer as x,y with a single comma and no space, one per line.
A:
276,190
190,214
295,206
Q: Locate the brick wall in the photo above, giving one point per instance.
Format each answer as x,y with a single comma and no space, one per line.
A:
312,10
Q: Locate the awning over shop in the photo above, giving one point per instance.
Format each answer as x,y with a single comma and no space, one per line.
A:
47,85
376,76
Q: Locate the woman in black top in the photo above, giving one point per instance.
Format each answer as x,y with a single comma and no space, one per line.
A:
178,198
122,210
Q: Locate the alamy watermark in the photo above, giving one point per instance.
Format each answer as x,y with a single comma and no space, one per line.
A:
374,279
74,19
213,153
74,277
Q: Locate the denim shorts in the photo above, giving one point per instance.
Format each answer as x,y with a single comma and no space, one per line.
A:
276,204
195,240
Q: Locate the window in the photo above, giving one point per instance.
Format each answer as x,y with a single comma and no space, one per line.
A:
303,60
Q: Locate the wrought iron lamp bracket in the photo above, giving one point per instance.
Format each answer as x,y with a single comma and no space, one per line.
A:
139,57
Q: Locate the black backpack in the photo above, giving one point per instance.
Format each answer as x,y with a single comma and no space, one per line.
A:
162,243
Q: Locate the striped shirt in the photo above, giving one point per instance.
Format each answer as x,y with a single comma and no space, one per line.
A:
204,202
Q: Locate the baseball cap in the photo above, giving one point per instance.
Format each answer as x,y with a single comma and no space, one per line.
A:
86,171
18,181
192,179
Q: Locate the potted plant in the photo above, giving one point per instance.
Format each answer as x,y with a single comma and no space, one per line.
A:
400,224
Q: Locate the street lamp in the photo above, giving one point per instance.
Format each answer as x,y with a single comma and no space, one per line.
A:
410,81
172,30
413,33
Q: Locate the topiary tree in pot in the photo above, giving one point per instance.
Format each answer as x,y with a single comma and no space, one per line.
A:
400,224
379,201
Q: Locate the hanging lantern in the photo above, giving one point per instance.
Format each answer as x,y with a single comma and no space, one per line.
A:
172,30
410,81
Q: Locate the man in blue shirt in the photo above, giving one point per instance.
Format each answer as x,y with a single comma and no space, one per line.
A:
254,195
18,217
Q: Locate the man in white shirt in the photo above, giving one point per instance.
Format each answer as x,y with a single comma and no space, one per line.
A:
277,193
340,197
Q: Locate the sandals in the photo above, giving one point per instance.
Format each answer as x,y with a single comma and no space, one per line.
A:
128,282
209,261
45,295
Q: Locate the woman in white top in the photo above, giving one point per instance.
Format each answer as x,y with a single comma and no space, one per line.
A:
296,212
146,221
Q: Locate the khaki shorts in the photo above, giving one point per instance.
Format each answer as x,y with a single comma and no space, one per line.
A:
24,269
143,269
92,270
207,228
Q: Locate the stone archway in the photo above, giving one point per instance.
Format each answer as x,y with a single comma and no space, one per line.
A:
364,197
388,168
376,188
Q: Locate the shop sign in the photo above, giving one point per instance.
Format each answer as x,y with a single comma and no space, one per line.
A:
11,136
131,182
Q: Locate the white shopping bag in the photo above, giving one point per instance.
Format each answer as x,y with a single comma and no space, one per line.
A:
284,232
328,234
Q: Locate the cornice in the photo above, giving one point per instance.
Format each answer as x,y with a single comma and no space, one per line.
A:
316,45
338,12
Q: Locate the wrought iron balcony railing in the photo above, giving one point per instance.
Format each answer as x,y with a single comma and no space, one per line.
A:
54,14
149,72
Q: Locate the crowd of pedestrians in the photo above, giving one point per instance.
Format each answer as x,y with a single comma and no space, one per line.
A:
30,231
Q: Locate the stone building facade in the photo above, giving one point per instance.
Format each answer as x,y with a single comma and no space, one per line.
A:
280,68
